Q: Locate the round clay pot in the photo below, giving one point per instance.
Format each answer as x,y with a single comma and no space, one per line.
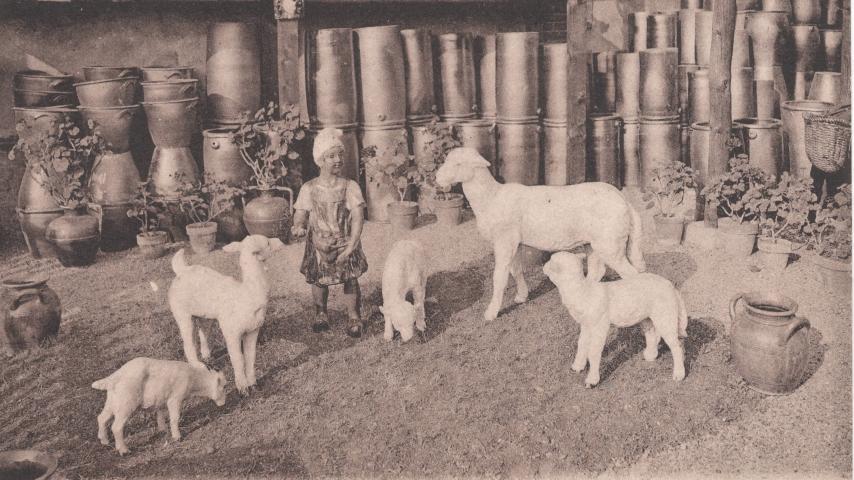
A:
114,124
448,210
41,81
268,215
76,235
737,239
165,74
152,244
30,314
669,229
98,72
773,256
835,274
172,90
42,98
173,123
202,237
114,92
231,228
41,465
402,215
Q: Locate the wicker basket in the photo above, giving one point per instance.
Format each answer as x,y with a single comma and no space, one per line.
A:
827,140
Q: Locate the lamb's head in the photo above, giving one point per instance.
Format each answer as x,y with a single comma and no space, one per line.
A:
257,245
564,267
460,166
214,385
402,315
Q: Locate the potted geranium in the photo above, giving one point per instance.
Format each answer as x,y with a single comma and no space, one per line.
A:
203,202
393,167
830,235
447,205
733,193
266,142
666,193
60,161
149,209
783,210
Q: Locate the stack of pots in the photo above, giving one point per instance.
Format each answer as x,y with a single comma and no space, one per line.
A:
517,96
660,139
36,207
233,72
555,92
34,88
770,35
382,114
604,126
628,108
108,98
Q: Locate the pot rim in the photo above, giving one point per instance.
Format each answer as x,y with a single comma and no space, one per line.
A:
106,80
759,123
758,297
119,107
163,102
44,459
41,75
176,81
202,227
53,108
781,245
29,281
218,132
162,67
50,92
805,105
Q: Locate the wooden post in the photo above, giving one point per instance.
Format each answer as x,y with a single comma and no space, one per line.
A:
846,52
577,78
290,55
720,118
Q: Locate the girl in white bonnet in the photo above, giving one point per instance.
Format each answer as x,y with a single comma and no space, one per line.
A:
332,206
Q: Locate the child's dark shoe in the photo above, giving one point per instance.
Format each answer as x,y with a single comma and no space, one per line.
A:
321,323
355,328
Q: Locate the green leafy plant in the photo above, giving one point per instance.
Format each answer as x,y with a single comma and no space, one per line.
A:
267,142
147,208
784,206
830,233
736,190
391,165
61,161
667,190
439,140
204,201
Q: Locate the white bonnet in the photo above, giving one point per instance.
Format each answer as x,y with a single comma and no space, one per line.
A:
326,139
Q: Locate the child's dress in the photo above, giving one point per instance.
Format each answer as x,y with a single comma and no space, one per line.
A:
329,210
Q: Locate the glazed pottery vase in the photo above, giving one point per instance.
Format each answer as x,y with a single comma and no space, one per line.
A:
269,215
31,313
76,236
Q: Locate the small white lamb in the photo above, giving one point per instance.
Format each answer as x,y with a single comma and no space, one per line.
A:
645,298
238,306
151,383
405,270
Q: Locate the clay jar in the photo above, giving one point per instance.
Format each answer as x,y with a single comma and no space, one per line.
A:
76,236
269,215
30,314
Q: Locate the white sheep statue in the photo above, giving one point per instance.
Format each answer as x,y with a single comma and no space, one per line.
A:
548,218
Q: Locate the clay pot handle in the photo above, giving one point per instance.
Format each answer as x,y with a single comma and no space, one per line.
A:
187,89
25,294
797,324
57,98
125,73
175,75
290,193
732,303
125,113
215,145
56,83
752,135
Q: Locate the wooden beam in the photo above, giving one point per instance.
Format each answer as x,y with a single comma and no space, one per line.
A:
720,92
577,78
290,55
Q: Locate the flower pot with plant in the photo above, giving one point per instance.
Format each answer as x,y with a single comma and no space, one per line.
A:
666,193
393,166
61,163
148,209
830,235
438,140
734,192
204,202
783,210
267,145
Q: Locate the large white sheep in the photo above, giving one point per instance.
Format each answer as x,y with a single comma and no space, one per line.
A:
548,218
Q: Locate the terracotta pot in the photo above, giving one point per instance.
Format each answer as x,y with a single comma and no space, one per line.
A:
832,13
659,92
736,239
795,153
604,147
169,163
555,87
402,215
449,209
684,97
770,345
630,150
114,124
113,183
230,226
638,31
627,75
517,78
486,64
826,87
41,81
202,237
383,84
333,78
699,93
803,80
233,70
687,35
831,50
456,64
556,168
661,30
97,72
33,225
269,215
807,43
35,121
170,90
668,230
764,142
418,55
172,124
107,93
769,32
806,11
31,314
777,6
165,74
222,158
743,104
35,98
767,99
699,148
703,37
604,86
835,274
741,56
773,256
152,244
660,143
378,196
519,150
76,235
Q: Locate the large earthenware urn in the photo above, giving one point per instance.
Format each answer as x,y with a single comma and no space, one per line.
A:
769,34
233,70
76,235
770,345
269,215
30,312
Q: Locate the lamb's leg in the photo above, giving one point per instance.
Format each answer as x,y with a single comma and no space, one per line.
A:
598,333
595,267
118,429
104,417
518,274
174,406
388,334
653,338
250,340
235,353
505,249
613,253
185,326
671,338
581,351
418,298
204,348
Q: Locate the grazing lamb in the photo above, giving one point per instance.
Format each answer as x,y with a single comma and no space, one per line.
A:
548,218
150,383
405,271
238,306
646,298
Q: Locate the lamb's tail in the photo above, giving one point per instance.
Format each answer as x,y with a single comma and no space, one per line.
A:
683,316
635,237
179,263
105,383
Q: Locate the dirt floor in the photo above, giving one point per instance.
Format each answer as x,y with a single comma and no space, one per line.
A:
471,399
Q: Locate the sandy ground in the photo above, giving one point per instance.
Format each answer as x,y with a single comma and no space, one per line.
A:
471,399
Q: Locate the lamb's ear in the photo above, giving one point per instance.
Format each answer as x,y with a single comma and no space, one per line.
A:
232,247
431,299
275,244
